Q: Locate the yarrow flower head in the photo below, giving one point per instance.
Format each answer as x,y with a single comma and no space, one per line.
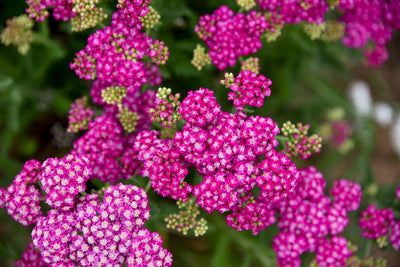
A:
187,219
79,115
300,144
159,52
151,19
113,95
19,33
309,216
22,198
246,4
229,35
88,15
146,250
314,30
128,119
114,55
62,179
101,233
347,194
166,110
370,21
394,236
334,31
376,222
200,58
251,64
199,107
333,252
30,258
248,88
296,11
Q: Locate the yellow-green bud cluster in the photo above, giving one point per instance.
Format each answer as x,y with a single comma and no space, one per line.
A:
229,80
161,52
333,3
366,262
300,144
200,58
314,30
166,107
19,33
88,14
337,113
272,35
186,219
333,32
151,19
355,261
246,4
336,117
251,64
382,241
128,119
113,95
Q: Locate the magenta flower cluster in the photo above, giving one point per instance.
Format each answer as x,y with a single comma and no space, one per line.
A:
107,233
102,144
22,198
79,115
30,258
62,179
248,88
312,11
115,54
229,35
310,222
61,9
163,165
370,21
226,150
376,222
341,131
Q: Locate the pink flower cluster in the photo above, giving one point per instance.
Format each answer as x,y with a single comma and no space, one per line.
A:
62,9
230,35
394,237
376,222
308,217
62,179
108,233
114,54
296,11
199,107
102,144
341,130
30,258
248,88
370,21
79,115
22,198
163,165
226,150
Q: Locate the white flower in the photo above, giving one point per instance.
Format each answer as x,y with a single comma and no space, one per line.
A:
383,114
360,96
395,135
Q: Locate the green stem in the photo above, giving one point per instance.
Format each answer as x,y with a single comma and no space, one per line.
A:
101,24
147,188
282,138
